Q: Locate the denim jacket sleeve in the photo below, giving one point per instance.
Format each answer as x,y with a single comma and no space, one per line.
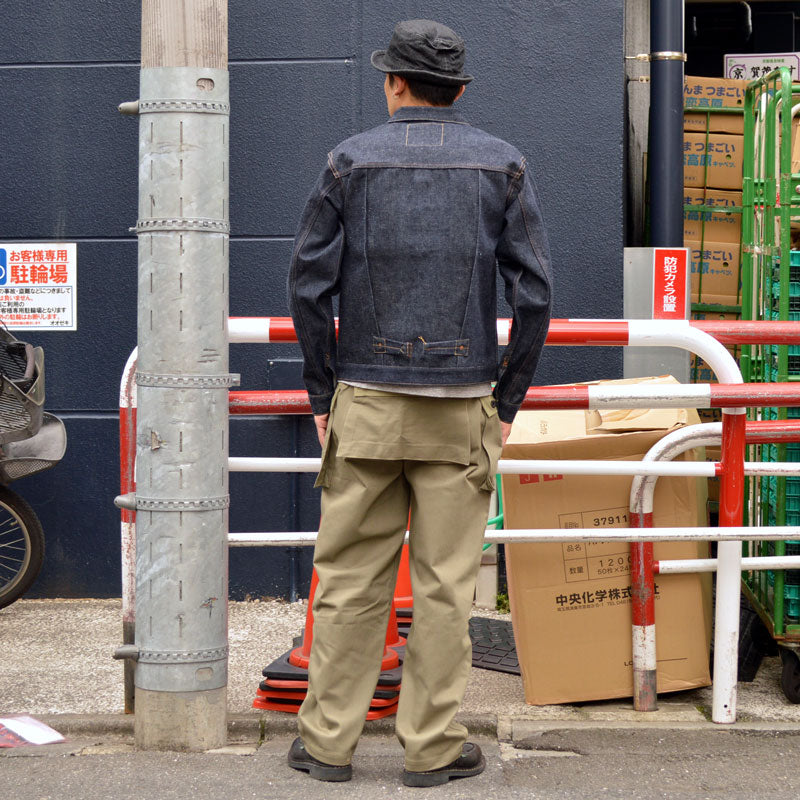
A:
523,259
313,280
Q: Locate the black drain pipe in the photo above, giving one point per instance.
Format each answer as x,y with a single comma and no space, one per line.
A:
666,123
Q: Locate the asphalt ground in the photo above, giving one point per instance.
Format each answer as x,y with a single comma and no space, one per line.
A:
55,664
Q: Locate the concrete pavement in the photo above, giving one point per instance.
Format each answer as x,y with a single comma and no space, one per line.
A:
55,664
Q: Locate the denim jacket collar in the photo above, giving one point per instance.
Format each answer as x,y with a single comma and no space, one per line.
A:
428,114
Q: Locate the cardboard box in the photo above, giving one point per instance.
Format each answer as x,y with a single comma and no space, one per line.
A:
699,371
795,145
713,159
570,602
718,262
713,454
711,94
718,225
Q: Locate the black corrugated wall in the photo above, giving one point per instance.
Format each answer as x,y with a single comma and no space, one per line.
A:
549,78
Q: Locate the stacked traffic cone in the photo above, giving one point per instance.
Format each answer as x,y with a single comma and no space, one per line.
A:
285,681
403,597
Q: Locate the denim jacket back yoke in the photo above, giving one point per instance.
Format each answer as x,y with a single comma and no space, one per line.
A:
407,224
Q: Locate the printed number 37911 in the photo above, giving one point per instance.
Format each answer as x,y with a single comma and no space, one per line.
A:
606,522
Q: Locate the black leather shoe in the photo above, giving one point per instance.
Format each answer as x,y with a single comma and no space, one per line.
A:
300,758
470,762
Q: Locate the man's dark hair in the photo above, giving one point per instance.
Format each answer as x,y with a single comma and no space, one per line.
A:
434,93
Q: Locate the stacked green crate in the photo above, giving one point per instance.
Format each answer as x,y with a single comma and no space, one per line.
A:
780,497
771,291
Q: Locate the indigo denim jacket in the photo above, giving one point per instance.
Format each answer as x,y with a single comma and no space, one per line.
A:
408,224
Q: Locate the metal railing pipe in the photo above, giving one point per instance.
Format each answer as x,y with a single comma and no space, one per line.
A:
561,332
549,535
704,469
700,395
686,565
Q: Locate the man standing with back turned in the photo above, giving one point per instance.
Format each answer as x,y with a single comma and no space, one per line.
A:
407,224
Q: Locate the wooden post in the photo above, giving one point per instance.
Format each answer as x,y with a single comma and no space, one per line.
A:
185,33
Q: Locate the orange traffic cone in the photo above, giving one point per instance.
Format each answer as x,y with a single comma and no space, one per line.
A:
300,656
403,597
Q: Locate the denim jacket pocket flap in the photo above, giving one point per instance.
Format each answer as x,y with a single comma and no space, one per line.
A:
453,347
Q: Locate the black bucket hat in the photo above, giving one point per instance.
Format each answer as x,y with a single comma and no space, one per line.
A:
426,51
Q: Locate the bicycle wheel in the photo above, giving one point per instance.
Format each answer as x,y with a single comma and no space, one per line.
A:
21,546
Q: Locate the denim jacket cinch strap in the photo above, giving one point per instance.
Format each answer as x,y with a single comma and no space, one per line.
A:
408,223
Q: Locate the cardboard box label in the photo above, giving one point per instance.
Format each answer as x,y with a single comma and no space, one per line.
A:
524,479
718,264
713,92
588,600
603,518
716,224
710,95
713,159
594,561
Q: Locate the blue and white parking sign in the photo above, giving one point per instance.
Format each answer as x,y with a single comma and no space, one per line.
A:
3,266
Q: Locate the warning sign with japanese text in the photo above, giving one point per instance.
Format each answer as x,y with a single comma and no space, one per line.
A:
669,283
38,285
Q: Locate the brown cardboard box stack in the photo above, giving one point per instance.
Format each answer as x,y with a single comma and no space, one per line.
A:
571,602
713,153
713,236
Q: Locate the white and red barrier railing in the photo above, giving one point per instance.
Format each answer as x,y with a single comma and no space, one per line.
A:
584,332
681,395
707,339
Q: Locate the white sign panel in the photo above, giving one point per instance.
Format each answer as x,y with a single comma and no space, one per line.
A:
38,286
751,66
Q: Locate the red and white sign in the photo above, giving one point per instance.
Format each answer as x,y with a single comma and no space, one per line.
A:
38,285
669,283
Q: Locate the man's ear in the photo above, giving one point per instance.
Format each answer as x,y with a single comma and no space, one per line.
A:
400,86
460,91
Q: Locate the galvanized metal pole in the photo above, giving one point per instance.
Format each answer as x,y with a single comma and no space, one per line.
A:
182,378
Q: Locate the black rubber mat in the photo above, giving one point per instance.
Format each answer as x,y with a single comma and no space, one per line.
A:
493,645
281,669
493,648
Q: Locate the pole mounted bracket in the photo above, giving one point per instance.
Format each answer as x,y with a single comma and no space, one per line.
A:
664,55
130,651
127,502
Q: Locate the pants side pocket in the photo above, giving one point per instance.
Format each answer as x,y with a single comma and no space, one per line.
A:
491,446
323,480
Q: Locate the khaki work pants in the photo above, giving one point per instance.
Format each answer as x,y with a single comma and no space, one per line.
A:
385,454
